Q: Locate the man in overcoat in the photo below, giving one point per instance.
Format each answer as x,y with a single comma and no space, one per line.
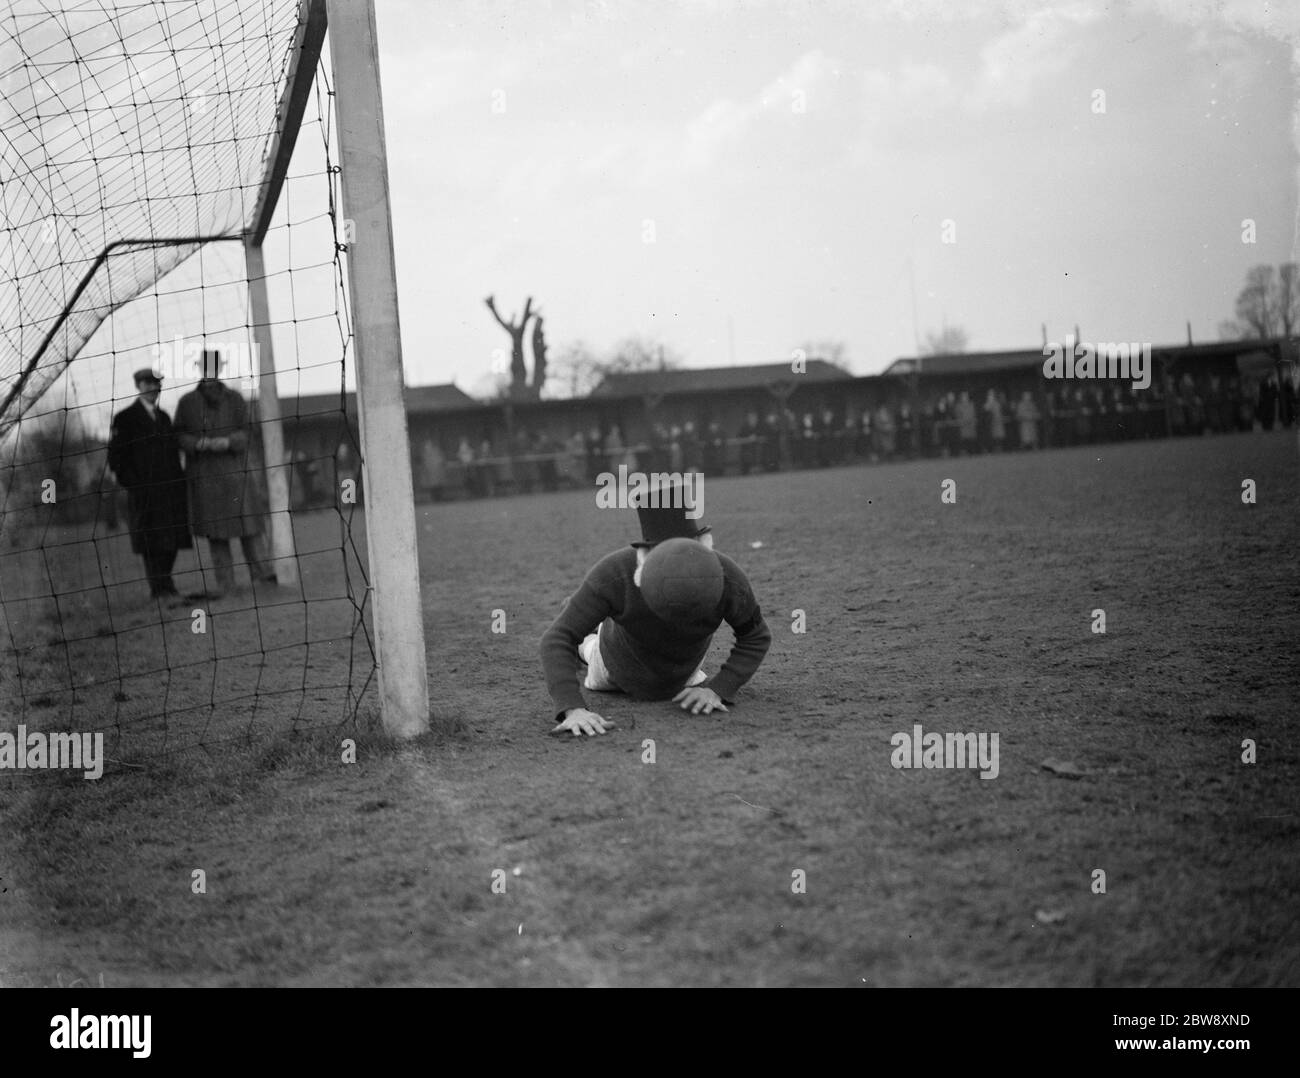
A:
226,493
144,455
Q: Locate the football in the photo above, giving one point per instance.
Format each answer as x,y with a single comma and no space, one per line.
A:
681,580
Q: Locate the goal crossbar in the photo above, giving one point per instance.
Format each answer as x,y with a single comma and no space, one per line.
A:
308,42
34,363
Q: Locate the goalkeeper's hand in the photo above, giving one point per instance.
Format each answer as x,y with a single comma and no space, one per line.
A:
581,721
699,699
213,444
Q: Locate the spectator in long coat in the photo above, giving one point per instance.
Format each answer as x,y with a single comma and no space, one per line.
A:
596,462
949,432
547,450
1268,396
1193,407
1027,417
1288,399
983,423
620,449
751,434
523,468
805,454
1100,426
485,463
575,460
927,440
1245,404
966,422
1224,404
692,447
1060,418
827,431
675,451
657,454
434,467
995,430
144,455
944,426
866,436
906,430
465,455
885,430
715,449
771,442
226,492
1082,411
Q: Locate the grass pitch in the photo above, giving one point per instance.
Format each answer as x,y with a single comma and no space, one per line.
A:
976,616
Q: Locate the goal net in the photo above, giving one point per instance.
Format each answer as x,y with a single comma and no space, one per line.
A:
170,201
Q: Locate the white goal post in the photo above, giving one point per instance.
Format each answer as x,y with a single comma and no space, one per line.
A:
372,280
372,277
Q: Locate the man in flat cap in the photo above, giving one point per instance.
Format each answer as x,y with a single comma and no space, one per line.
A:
144,455
226,492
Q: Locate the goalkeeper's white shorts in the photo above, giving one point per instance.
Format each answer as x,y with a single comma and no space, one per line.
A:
598,678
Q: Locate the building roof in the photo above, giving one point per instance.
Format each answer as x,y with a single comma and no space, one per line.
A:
419,399
436,398
975,362
697,379
966,362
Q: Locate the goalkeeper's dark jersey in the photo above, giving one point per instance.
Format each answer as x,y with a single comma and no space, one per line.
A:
649,658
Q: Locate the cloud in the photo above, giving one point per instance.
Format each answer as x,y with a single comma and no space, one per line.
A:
1281,20
715,131
915,90
709,133
932,11
434,79
1235,63
1039,49
807,75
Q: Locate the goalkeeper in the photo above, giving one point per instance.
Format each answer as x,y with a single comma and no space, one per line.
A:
627,647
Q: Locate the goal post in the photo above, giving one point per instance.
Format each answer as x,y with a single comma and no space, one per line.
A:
304,58
283,555
385,445
372,279
139,144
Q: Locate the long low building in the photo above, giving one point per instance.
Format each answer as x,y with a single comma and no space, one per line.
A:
637,409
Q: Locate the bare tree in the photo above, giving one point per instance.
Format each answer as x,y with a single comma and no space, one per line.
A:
574,372
518,372
577,370
539,356
640,354
1288,298
949,341
1256,316
1268,304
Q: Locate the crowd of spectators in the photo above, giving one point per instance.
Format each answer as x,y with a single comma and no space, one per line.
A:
952,423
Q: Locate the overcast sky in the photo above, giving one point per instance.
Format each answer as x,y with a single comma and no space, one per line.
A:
734,182
794,164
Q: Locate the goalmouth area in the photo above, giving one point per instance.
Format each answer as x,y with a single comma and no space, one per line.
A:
160,204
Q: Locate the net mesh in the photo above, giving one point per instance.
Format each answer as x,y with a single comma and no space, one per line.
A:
123,128
134,139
